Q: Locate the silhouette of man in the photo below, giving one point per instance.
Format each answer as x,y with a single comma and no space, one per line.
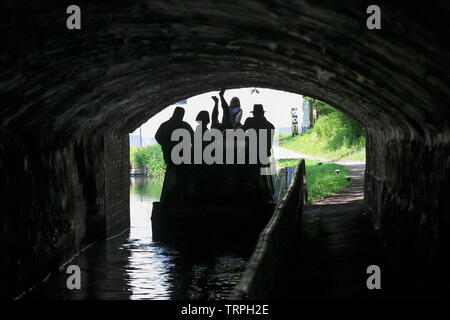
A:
164,133
257,122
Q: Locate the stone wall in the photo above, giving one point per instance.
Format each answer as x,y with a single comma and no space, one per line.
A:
117,183
265,276
407,183
57,197
130,60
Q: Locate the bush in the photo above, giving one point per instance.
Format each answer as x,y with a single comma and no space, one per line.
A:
338,130
150,157
137,158
334,136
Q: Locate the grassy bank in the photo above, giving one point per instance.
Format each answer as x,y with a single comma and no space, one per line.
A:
310,144
334,136
322,181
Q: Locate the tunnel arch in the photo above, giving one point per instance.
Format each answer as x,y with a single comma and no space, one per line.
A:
85,90
158,109
154,54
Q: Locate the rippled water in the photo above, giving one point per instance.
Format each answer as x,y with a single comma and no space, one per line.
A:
133,266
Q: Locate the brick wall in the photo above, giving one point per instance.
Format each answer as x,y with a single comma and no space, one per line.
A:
57,197
117,184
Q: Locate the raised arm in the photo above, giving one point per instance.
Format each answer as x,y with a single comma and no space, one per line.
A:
215,113
238,118
222,99
226,117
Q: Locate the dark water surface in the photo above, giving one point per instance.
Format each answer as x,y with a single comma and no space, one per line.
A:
133,266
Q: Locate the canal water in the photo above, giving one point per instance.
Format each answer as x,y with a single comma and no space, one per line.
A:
133,266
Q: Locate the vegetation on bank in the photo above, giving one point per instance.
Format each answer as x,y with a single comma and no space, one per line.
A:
335,136
322,181
281,136
150,158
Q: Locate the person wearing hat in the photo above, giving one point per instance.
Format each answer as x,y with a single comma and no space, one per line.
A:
258,122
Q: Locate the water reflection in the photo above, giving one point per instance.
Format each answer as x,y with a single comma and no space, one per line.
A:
133,266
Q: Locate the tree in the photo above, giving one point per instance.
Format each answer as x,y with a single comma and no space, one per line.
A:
335,127
318,107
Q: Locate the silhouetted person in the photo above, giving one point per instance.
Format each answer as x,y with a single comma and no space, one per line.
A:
215,115
164,133
235,112
203,117
259,121
229,116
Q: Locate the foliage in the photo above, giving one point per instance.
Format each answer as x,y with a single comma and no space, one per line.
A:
338,130
321,181
321,107
334,136
283,163
150,157
279,135
137,157
309,144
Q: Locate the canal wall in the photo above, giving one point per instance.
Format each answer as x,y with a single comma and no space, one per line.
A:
57,85
58,196
265,276
406,195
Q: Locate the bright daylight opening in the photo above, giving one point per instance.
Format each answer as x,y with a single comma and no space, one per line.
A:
332,144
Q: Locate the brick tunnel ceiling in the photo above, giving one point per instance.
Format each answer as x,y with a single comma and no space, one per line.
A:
132,59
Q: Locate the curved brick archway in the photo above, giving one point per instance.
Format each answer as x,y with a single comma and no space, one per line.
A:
70,97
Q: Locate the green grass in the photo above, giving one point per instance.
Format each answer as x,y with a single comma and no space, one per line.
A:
308,143
321,181
279,135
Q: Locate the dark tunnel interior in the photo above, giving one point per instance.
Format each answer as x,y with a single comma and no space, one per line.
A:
69,98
